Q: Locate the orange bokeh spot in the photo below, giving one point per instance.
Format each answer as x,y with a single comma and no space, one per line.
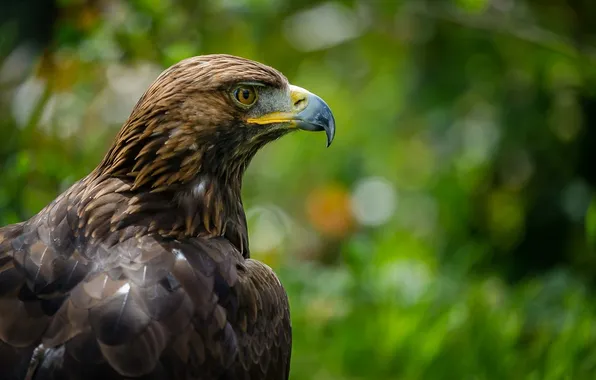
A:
329,210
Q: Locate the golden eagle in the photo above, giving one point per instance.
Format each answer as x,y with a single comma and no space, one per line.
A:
142,269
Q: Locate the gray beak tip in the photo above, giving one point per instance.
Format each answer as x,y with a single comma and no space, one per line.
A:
317,116
330,131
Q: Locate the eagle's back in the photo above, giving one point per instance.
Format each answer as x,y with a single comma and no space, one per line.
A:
101,284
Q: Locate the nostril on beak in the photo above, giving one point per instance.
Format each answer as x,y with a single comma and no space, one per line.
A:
300,103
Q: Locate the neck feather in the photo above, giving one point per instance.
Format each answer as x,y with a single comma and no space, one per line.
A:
192,189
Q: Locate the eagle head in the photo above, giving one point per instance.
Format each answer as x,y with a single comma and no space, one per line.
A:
208,116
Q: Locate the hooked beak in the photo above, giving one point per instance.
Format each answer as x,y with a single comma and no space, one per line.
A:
308,112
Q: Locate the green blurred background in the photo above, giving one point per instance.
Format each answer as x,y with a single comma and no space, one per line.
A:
448,233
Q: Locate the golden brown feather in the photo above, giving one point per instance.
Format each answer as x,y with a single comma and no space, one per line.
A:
142,269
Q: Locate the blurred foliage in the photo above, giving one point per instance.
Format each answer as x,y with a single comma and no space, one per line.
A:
447,233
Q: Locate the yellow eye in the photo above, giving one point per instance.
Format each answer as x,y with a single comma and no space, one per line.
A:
245,95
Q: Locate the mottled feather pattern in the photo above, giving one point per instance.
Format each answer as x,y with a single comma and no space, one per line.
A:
141,269
262,342
129,295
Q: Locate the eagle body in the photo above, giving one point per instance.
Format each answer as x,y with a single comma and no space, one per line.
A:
142,269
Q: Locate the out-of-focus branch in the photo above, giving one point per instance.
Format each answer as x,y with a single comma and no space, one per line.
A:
498,22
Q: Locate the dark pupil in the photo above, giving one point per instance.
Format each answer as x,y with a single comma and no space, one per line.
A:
245,94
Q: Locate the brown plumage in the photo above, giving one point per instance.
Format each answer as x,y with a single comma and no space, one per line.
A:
142,268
